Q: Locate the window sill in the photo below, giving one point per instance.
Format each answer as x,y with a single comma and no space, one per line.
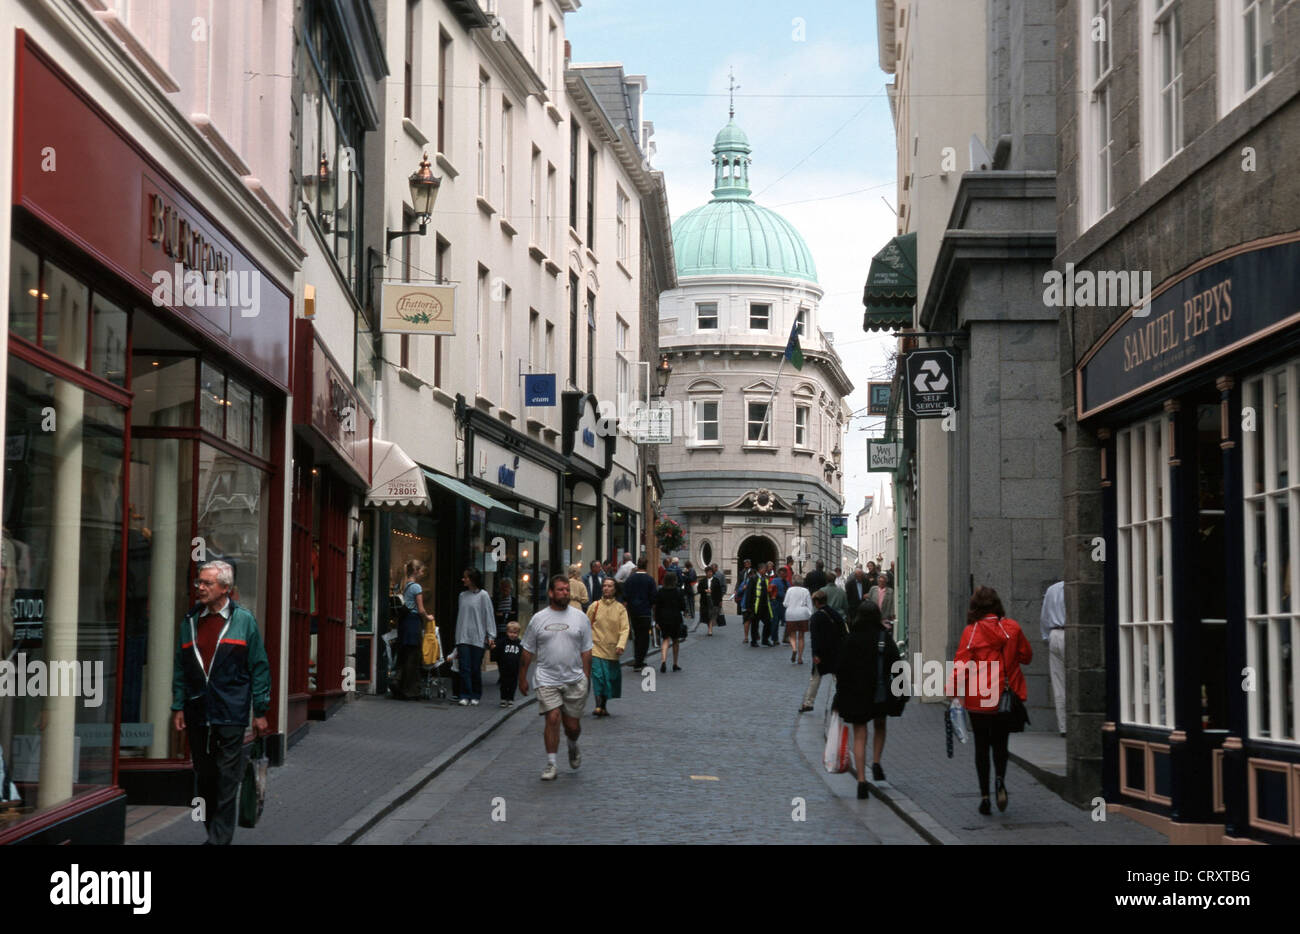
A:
804,452
483,402
535,425
627,272
485,205
414,131
770,448
536,253
573,235
408,378
443,398
508,227
445,164
552,267
507,416
591,257
550,434
554,113
704,446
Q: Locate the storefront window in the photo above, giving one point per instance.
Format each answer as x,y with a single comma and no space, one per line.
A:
63,515
1272,625
232,497
108,341
64,316
24,291
212,400
1145,586
164,390
239,417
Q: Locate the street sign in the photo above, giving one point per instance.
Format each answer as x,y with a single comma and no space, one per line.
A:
931,382
539,389
652,424
839,526
878,399
883,456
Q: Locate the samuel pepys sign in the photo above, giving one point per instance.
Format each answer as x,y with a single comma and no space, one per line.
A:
1220,305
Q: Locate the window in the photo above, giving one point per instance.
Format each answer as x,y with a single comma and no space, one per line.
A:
440,263
624,386
706,316
535,197
573,175
591,197
550,347
758,430
484,330
444,76
552,229
591,342
1257,41
621,221
801,426
501,293
760,317
705,415
1162,82
507,143
573,330
484,115
539,51
534,351
555,82
408,68
1145,527
1272,512
1095,140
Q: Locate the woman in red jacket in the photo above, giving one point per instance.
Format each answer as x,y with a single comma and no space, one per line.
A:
989,656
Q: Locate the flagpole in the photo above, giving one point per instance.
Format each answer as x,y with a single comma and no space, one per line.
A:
776,382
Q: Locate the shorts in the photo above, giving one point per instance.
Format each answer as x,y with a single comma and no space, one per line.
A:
571,697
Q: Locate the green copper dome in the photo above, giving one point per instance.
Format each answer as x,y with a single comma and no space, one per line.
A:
731,235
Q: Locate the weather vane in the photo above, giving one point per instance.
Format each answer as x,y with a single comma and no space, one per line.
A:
733,87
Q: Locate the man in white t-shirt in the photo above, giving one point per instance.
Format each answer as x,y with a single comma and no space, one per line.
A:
628,567
559,637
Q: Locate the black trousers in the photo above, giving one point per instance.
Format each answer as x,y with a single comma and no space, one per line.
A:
218,754
509,678
640,639
768,625
990,733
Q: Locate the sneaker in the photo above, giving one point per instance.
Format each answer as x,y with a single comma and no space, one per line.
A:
575,757
877,772
505,704
550,773
510,703
463,702
473,703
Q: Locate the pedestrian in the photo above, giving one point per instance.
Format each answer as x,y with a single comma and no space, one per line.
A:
559,638
816,578
577,589
777,587
702,584
761,611
997,646
220,672
882,595
506,609
639,592
688,587
837,599
627,569
594,580
474,629
798,610
717,591
410,633
863,688
609,632
855,591
1052,621
828,634
838,578
508,652
668,608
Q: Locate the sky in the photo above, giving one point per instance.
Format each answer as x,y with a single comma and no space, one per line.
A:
811,99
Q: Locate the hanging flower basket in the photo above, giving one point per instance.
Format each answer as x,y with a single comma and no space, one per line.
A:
669,534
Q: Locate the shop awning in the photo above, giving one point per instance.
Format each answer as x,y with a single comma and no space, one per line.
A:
890,292
397,481
501,519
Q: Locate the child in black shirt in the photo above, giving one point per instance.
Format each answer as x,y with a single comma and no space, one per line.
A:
508,663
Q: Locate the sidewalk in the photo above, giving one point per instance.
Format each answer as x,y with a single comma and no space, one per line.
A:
346,770
938,796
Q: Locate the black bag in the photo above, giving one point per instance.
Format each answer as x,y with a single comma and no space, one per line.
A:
1011,709
252,790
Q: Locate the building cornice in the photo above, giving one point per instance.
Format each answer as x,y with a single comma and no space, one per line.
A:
510,61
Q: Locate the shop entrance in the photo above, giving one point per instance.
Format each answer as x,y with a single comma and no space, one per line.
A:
759,549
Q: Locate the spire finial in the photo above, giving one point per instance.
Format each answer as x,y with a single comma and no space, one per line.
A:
732,88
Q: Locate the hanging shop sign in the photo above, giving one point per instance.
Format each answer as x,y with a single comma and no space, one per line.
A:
878,400
1223,303
883,456
539,389
418,308
931,382
839,526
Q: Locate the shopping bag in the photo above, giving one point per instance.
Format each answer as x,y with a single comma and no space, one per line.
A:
960,720
252,790
838,736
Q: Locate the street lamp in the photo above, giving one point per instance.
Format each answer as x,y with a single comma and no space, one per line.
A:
424,192
662,372
800,507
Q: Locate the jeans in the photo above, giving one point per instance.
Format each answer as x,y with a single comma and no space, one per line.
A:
990,733
471,671
640,639
218,754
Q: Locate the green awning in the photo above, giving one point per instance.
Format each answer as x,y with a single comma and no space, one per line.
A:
890,293
501,519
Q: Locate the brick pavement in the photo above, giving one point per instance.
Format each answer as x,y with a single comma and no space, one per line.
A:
343,764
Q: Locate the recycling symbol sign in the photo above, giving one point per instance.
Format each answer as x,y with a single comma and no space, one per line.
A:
931,382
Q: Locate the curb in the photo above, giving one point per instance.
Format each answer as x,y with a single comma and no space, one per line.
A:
363,821
914,815
1052,781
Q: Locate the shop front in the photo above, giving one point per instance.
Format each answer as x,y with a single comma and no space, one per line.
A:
623,516
144,434
1194,406
331,473
589,447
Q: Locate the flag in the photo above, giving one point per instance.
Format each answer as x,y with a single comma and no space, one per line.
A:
793,352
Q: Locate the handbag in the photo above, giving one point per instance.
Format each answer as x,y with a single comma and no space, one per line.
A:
836,754
252,790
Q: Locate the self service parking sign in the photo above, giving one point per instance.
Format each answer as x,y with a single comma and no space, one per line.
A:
931,382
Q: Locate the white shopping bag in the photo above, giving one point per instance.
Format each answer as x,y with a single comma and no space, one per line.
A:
838,738
961,727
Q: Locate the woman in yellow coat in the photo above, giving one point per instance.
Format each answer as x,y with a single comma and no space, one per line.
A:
577,589
609,630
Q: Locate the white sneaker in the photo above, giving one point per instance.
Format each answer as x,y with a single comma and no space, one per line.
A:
550,773
463,702
473,703
575,757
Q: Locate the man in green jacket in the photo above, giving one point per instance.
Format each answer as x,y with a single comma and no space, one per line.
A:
221,675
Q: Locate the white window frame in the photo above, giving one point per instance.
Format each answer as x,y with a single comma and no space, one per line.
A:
1144,540
763,330
802,425
699,317
1162,98
483,143
1269,482
1096,132
1232,19
622,332
769,430
552,227
535,198
507,142
697,407
801,317
621,201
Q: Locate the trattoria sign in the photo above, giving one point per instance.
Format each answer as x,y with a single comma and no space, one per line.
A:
415,308
1223,303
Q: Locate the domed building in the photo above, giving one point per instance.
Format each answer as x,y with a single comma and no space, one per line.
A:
738,474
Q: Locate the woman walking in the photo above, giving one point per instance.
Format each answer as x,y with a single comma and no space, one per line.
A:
669,607
475,627
863,688
410,632
609,631
798,610
706,600
995,644
577,589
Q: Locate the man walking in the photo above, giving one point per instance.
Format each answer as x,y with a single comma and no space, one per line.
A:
594,581
816,578
639,592
559,637
628,567
717,590
1052,621
882,595
221,670
856,591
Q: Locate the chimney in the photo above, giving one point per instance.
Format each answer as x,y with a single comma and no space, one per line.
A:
568,53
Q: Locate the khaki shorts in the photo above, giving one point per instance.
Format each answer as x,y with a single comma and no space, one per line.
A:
571,697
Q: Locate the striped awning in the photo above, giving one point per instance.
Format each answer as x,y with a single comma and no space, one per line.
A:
890,293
